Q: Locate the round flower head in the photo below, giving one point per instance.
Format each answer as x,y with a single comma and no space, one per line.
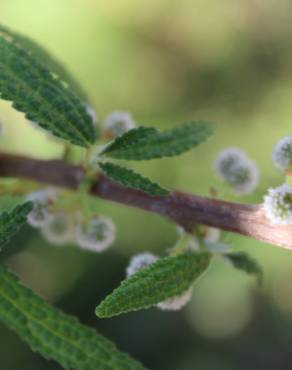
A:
40,214
176,303
117,123
58,230
278,204
97,236
282,153
139,262
233,166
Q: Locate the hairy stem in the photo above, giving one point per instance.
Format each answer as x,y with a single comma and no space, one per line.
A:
184,209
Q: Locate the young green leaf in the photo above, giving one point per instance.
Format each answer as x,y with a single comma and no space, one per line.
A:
44,98
131,179
45,58
11,221
141,144
54,334
167,278
129,137
244,262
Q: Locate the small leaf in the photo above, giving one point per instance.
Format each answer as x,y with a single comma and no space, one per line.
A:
11,221
164,279
142,144
244,262
45,58
54,334
131,179
44,98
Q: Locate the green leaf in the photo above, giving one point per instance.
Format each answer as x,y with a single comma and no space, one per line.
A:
44,98
54,334
142,144
131,179
11,221
164,279
244,262
46,58
128,138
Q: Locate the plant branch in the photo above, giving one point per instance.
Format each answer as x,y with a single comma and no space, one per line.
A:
184,209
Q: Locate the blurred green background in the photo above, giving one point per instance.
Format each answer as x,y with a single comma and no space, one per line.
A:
167,62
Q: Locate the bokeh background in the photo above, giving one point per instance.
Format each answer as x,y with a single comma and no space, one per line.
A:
167,62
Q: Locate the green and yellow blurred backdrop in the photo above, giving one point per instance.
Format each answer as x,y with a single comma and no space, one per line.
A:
167,61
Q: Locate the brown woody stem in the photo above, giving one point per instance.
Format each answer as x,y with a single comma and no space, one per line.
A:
184,209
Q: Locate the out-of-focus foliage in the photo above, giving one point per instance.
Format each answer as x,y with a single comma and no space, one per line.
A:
54,108
167,62
45,57
54,334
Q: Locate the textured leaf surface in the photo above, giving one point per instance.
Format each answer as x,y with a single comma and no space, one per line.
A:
143,144
52,64
11,221
131,179
244,262
54,334
166,278
43,97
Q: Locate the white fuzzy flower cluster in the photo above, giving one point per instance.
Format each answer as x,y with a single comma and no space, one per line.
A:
139,262
176,303
233,166
282,153
55,227
117,123
278,204
143,260
60,228
97,236
42,199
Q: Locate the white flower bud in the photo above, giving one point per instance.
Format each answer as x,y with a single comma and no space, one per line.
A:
40,214
212,234
233,166
209,234
192,245
278,204
176,303
282,153
139,262
97,236
117,123
59,229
